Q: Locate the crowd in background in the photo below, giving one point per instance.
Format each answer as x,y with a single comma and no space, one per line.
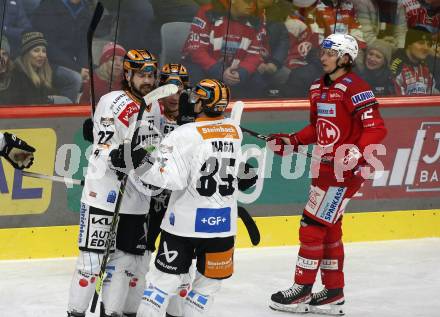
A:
261,48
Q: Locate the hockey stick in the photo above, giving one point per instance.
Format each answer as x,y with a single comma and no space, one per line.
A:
237,111
97,15
266,138
158,93
54,178
248,222
250,225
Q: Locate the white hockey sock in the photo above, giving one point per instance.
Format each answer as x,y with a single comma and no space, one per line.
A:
201,298
120,270
82,286
137,284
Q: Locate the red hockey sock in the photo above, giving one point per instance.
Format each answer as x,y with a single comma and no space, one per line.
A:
310,253
332,264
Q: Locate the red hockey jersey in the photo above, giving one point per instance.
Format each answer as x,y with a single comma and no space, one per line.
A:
212,35
345,112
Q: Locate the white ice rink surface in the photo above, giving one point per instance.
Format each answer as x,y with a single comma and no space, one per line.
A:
389,279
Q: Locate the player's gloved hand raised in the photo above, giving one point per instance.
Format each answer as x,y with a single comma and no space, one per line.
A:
88,130
186,109
17,152
137,156
282,143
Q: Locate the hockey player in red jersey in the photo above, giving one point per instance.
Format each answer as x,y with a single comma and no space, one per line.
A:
345,123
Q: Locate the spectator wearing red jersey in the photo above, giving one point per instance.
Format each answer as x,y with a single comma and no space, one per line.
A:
414,13
109,74
411,73
224,45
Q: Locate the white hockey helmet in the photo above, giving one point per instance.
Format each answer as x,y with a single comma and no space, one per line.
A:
303,3
343,44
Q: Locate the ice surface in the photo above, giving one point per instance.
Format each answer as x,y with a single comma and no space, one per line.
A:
389,279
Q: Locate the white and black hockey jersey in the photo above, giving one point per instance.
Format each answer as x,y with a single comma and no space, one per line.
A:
167,124
114,121
199,162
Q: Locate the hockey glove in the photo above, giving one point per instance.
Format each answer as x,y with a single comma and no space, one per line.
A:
186,109
138,157
17,152
88,130
279,147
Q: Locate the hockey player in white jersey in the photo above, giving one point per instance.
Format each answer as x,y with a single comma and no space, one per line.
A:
176,74
199,162
114,118
16,151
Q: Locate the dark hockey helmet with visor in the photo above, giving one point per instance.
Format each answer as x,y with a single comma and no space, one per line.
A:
176,74
213,94
140,60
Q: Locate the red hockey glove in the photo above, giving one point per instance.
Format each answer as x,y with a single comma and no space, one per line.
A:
279,147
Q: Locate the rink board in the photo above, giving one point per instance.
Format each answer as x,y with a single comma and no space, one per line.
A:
60,241
38,218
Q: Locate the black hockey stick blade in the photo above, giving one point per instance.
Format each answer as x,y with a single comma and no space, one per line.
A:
250,225
97,15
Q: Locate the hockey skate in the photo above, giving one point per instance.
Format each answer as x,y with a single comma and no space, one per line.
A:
294,299
328,302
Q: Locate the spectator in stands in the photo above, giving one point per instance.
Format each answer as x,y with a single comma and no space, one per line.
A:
32,75
5,71
14,23
411,73
414,13
371,19
65,24
227,49
274,41
303,33
109,74
338,16
301,78
376,71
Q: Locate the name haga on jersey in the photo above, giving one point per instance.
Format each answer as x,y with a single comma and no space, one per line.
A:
199,162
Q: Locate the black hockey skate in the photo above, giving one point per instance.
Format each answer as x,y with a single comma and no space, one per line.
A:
328,302
294,299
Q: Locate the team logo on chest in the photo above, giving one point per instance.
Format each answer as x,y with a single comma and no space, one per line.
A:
328,132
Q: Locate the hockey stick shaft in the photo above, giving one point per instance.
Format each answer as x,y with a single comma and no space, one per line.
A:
266,138
54,178
158,93
97,15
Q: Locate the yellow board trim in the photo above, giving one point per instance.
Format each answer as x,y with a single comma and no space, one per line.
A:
61,241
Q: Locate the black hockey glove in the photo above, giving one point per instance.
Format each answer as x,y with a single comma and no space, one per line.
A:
138,157
88,130
186,109
17,152
246,177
